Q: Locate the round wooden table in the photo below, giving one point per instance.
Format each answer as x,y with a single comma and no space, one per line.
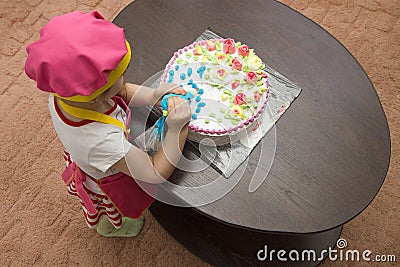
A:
333,143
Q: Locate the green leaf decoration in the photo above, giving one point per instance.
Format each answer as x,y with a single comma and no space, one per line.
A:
229,92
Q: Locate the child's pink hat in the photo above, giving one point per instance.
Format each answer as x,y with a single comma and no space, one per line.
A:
78,56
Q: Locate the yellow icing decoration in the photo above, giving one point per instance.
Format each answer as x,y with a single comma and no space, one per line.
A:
238,111
225,97
254,62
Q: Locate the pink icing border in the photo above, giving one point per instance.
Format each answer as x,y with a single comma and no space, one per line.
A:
197,128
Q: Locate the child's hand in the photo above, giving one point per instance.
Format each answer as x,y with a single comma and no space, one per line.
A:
167,88
179,113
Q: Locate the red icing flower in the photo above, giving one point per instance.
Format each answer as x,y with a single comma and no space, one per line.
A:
243,50
237,64
240,99
235,84
229,46
257,96
210,46
264,74
251,77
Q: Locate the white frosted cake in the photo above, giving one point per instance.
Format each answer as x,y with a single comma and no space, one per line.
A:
229,87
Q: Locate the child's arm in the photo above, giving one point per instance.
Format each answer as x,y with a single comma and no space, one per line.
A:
139,95
159,168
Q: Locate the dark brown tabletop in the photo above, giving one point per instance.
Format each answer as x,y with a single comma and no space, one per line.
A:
333,144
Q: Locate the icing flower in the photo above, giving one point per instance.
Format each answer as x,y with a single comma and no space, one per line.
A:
264,74
197,51
210,46
238,111
253,62
243,50
221,73
251,77
239,99
229,46
237,64
222,58
257,96
235,84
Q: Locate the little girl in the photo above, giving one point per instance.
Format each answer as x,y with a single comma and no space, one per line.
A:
80,60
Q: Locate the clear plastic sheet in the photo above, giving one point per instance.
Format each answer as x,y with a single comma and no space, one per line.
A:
227,158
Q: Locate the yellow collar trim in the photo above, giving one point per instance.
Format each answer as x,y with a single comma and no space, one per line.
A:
87,114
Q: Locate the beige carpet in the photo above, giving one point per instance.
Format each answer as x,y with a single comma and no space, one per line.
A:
41,225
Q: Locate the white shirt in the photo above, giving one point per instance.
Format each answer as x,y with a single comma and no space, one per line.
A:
94,146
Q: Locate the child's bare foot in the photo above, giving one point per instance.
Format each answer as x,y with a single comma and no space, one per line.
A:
130,227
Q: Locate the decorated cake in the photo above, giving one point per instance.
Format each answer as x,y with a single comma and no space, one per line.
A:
228,84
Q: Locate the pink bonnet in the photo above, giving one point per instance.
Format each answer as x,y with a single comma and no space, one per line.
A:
78,56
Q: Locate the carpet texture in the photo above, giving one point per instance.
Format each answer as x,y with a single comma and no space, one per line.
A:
40,224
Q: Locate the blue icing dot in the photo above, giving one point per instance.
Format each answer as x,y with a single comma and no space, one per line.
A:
194,85
170,79
189,95
200,92
176,67
190,81
201,104
171,72
183,76
194,116
198,110
201,71
189,72
198,98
